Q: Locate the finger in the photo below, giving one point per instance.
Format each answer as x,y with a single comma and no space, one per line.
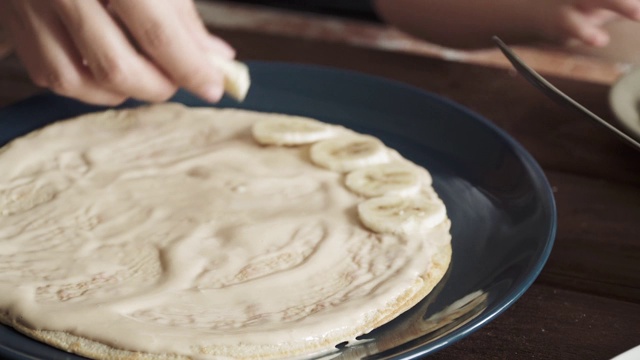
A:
626,8
108,54
577,26
48,55
220,47
193,22
157,29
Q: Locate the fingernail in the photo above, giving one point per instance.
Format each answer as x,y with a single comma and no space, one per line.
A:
221,47
212,93
600,40
596,38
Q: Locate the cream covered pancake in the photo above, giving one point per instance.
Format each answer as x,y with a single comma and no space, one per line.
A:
171,232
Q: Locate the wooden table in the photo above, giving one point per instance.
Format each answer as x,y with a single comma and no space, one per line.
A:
586,302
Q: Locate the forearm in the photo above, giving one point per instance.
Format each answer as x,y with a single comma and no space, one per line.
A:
464,24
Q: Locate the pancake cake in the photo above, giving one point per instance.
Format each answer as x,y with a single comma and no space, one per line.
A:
168,232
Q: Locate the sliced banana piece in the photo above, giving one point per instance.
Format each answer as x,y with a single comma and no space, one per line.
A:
393,214
393,178
236,76
349,152
291,131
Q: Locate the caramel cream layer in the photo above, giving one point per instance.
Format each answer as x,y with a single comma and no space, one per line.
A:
167,230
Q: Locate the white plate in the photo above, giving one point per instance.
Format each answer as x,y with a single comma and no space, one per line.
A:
633,354
624,99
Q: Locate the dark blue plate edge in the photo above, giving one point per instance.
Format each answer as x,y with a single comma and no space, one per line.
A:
540,180
542,183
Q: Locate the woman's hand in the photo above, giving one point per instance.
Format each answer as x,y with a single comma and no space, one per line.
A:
584,20
104,52
471,24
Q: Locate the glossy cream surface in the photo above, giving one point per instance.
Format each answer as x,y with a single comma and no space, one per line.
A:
167,230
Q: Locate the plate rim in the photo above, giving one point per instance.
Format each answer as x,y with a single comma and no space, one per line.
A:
528,161
626,88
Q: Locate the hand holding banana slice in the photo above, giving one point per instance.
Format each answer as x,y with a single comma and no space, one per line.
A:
236,76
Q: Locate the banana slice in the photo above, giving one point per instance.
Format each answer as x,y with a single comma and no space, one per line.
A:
394,214
394,178
236,76
349,152
291,131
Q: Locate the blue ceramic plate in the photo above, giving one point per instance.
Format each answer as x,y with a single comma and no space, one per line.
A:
502,209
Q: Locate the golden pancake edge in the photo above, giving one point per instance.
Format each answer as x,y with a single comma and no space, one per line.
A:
168,232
